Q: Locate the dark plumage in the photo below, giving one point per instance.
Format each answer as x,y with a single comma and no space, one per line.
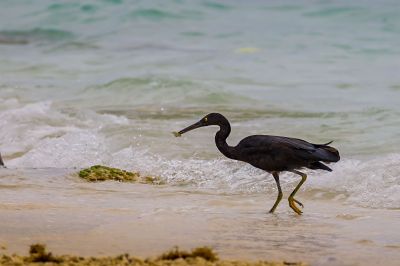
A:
1,161
273,154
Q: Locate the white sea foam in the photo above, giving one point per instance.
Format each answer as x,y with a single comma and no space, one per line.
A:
40,135
369,183
81,148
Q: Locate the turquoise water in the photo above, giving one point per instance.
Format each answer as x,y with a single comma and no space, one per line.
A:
107,81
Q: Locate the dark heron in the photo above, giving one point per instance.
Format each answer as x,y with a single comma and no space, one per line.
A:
273,154
1,162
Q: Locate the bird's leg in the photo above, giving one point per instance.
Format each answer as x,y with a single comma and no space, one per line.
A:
291,197
278,199
1,162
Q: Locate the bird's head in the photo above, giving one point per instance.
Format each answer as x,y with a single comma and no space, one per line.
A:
208,120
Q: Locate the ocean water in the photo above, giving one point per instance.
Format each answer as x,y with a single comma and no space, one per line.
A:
106,82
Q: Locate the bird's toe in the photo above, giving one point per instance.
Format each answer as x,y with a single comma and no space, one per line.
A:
298,202
294,207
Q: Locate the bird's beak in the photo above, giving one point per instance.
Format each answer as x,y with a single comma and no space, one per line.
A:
194,126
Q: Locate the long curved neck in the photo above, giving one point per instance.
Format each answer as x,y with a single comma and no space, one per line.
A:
220,139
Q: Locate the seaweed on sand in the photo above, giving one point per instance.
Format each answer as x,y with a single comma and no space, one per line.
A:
102,173
38,253
201,252
202,256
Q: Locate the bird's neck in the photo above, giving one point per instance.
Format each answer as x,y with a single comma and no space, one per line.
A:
220,140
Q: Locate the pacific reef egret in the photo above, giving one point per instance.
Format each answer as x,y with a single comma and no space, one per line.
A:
1,162
273,154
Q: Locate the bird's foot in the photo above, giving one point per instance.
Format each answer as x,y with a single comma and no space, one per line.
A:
293,206
298,202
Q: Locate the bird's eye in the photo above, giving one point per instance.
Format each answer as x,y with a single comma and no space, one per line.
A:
205,119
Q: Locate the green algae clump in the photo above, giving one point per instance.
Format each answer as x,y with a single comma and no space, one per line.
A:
102,173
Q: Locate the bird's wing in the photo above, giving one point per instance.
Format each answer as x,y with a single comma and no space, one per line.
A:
276,148
262,142
293,143
284,147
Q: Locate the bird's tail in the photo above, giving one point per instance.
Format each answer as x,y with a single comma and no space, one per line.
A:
319,165
327,153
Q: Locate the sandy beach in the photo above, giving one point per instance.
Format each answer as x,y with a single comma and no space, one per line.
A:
110,218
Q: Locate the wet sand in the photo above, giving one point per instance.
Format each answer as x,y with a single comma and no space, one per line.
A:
97,219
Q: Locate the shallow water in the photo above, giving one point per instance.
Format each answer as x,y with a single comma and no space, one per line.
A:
106,82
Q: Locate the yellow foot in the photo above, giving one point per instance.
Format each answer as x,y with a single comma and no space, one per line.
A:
294,207
298,202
